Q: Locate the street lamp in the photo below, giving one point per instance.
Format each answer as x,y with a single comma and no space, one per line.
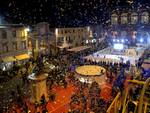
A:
27,29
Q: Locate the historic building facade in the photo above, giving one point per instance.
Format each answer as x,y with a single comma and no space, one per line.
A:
40,39
133,25
72,37
13,42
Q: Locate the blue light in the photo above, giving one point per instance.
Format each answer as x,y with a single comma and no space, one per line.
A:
141,40
114,40
122,40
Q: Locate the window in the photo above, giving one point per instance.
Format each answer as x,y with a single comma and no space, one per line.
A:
62,32
15,46
23,44
145,18
66,38
82,38
77,44
123,34
22,33
5,47
14,33
114,34
124,18
69,40
134,18
114,19
30,44
60,41
133,34
4,34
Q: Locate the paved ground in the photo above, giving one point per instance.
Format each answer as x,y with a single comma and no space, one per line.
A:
63,96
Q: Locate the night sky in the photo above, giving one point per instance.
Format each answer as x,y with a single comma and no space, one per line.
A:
63,12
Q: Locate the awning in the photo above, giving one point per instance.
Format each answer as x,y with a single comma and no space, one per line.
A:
22,57
8,59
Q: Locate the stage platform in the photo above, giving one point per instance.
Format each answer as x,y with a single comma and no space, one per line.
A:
91,73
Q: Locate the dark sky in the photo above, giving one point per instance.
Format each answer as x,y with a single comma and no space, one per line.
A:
63,12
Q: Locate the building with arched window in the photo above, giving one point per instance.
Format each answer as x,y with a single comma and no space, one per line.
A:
13,44
124,18
145,18
130,24
114,18
40,39
72,37
134,18
130,17
123,34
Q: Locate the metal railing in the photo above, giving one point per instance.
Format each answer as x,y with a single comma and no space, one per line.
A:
141,104
115,105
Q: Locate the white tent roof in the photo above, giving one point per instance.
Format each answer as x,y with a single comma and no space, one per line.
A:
65,45
77,49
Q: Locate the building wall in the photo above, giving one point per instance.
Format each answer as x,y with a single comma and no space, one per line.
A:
73,36
131,25
40,39
98,31
130,17
13,41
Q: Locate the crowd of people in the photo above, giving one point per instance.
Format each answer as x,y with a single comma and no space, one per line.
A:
87,96
135,90
87,99
57,76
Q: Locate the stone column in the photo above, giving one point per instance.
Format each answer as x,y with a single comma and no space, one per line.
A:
38,86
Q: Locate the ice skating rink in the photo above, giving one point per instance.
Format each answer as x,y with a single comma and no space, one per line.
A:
115,57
